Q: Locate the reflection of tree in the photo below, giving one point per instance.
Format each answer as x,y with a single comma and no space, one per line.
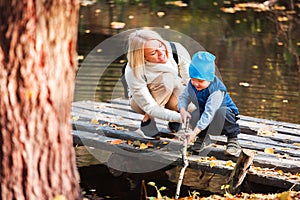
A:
284,27
283,19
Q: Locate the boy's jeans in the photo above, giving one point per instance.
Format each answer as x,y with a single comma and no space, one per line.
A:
223,123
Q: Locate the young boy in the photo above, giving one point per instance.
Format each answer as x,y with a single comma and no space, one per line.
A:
216,112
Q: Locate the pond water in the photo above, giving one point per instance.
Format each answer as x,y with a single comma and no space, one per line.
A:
256,52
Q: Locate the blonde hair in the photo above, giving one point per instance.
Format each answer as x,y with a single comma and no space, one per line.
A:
135,54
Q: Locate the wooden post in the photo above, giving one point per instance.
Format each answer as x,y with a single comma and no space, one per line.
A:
240,170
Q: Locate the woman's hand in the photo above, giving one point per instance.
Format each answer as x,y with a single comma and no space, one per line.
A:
184,115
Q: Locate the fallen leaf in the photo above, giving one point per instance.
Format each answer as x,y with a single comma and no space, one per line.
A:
94,121
296,144
212,164
284,196
143,146
117,141
266,131
100,106
136,143
212,158
244,84
129,142
149,144
75,118
280,172
229,163
284,148
294,177
269,150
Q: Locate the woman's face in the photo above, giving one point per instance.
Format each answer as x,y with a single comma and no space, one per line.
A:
155,52
199,84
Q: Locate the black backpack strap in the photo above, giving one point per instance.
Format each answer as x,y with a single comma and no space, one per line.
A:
175,55
123,67
174,51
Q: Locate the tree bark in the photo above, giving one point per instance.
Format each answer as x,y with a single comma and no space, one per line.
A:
37,75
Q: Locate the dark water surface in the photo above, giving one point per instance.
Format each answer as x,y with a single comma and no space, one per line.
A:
256,52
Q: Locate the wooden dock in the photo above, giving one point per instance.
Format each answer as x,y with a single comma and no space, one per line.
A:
112,127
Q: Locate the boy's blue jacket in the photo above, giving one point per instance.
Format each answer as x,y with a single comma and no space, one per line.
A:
200,98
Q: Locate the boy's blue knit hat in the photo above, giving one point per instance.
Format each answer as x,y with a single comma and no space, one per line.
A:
202,66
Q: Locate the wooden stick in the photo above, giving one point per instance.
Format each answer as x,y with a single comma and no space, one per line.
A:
185,162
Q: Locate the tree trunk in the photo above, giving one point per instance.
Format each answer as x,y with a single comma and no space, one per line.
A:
37,74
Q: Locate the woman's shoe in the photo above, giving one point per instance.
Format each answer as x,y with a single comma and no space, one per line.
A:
149,128
174,126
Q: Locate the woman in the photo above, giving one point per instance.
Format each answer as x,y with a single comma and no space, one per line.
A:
154,79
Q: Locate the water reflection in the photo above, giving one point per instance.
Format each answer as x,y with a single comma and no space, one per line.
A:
257,52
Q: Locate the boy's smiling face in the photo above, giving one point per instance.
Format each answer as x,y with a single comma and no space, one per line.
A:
200,84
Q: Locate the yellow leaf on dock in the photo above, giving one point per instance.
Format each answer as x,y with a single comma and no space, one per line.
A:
212,158
94,121
75,118
149,144
212,164
143,146
229,163
117,141
269,150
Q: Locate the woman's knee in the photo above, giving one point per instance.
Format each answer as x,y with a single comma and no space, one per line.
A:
135,107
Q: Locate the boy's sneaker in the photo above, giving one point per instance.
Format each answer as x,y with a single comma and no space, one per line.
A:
149,128
233,148
174,126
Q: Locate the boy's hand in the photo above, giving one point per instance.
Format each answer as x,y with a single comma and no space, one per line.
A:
192,135
184,115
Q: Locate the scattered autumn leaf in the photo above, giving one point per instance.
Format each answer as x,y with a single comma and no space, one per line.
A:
212,164
75,118
149,144
280,172
143,146
266,130
284,196
117,141
94,121
269,150
294,177
229,163
212,158
284,148
129,142
100,106
136,143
